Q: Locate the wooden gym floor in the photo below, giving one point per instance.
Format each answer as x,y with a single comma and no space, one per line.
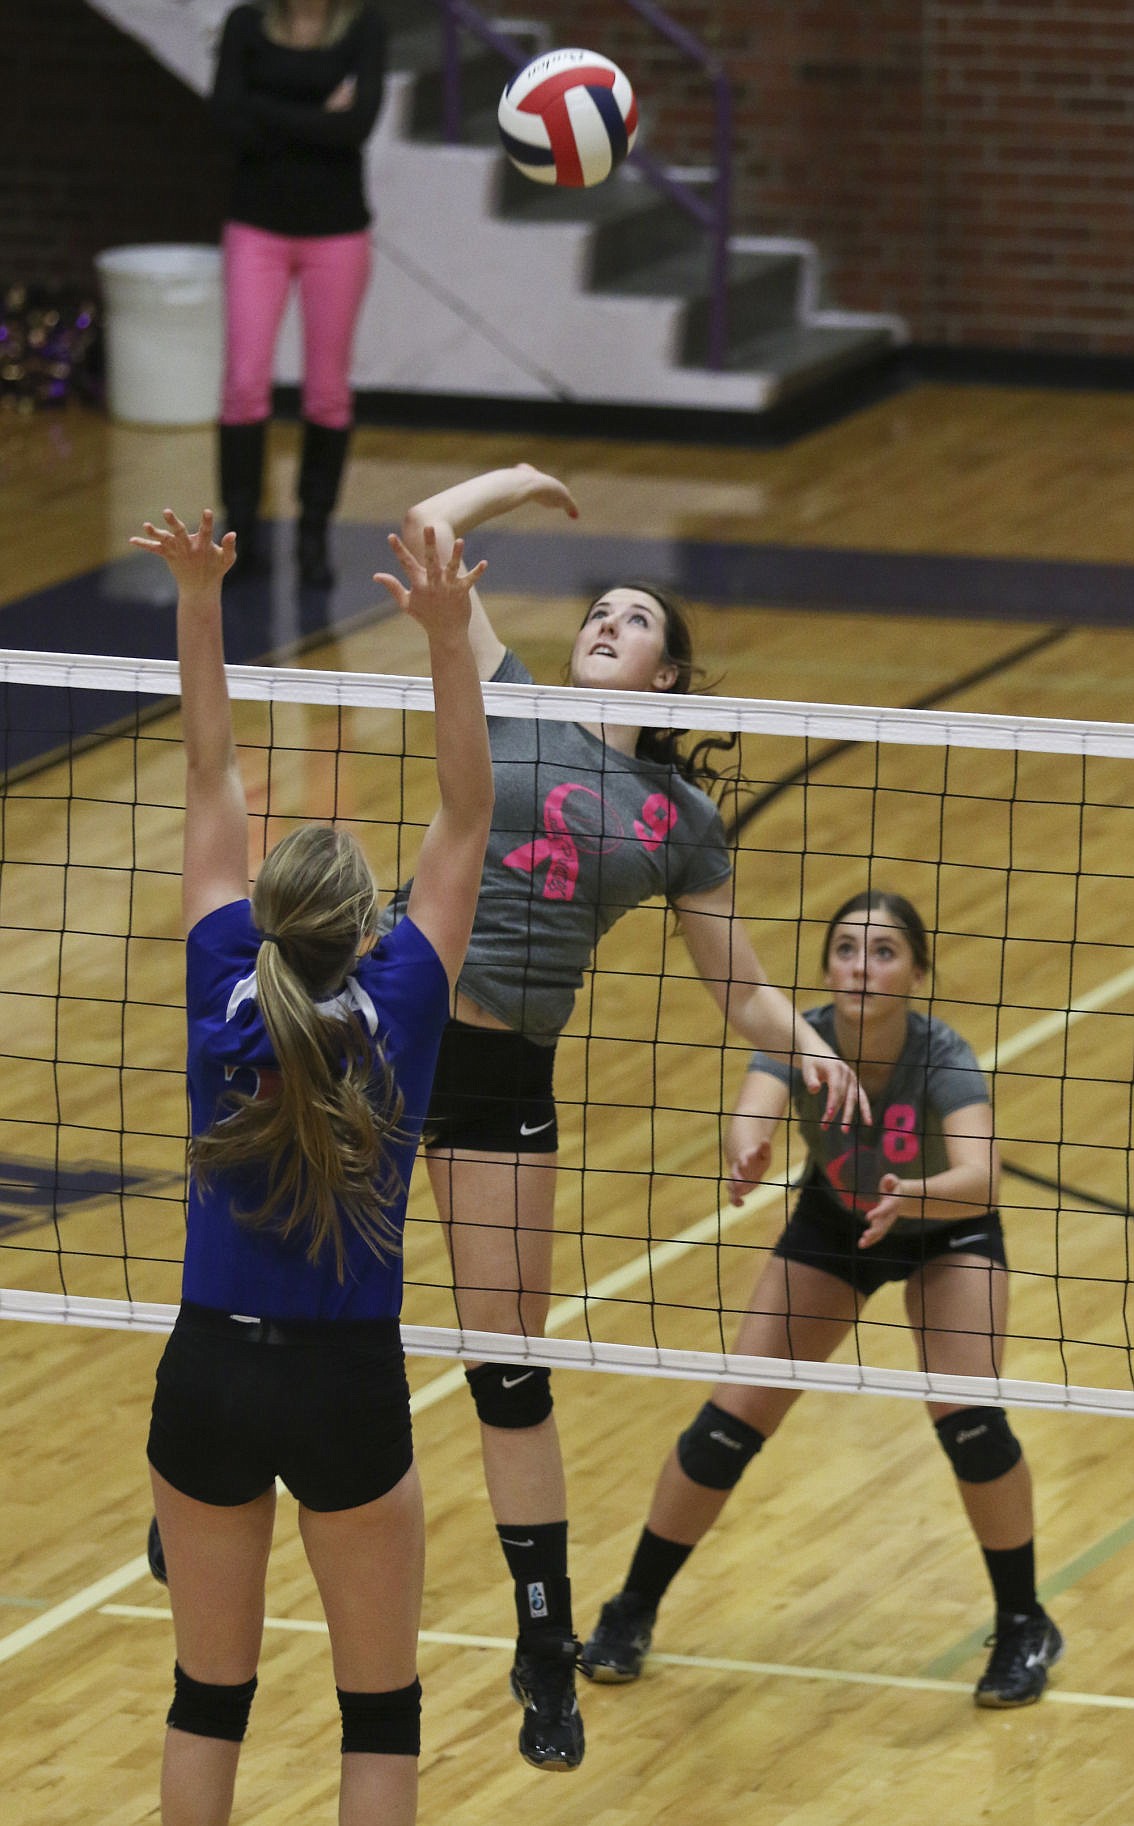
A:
971,546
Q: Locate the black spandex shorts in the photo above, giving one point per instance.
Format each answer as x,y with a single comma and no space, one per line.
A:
322,1404
492,1091
819,1235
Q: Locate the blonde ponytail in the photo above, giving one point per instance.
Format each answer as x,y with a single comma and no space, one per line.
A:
322,1135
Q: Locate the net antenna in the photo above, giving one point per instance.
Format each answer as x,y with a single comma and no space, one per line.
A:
1011,834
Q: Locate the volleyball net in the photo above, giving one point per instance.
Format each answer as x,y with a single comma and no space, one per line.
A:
1012,836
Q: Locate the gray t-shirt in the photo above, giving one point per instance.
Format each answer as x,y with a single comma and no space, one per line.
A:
936,1074
580,834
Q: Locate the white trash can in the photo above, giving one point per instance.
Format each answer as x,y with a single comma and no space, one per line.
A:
164,333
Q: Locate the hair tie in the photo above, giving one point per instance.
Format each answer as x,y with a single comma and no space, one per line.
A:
270,938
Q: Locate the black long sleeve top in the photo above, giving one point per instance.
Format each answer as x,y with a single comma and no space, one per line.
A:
298,165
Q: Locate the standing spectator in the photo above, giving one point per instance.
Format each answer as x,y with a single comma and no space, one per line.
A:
297,91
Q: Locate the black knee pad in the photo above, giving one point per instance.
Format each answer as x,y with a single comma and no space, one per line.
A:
382,1724
717,1448
210,1711
979,1444
511,1395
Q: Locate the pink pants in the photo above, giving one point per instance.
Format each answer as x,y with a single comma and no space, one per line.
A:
332,272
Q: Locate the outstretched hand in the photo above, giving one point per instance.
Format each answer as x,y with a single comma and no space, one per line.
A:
439,594
882,1217
746,1170
846,1098
196,561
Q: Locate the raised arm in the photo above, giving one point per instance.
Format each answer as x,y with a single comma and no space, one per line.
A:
446,881
456,511
215,860
738,983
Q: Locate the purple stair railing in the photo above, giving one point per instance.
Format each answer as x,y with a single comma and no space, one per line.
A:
712,214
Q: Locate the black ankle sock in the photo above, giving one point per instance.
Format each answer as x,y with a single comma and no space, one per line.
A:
537,1561
655,1564
1013,1574
535,1552
543,1607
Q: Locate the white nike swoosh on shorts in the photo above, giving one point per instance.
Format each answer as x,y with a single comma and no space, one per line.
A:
978,1236
516,1380
538,1127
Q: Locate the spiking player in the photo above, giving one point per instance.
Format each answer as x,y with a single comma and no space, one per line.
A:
590,821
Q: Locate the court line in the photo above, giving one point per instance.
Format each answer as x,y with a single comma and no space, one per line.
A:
707,1229
1061,1581
1086,1201
1060,1018
709,1664
90,1598
966,682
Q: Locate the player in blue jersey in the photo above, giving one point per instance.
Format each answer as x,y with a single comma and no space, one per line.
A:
590,821
310,1056
911,1198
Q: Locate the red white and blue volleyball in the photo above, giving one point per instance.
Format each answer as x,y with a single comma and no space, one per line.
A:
568,118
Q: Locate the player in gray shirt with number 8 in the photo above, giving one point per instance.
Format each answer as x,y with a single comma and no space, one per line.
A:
911,1198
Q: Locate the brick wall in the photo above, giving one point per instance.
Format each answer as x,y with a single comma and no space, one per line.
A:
1031,116
99,146
968,163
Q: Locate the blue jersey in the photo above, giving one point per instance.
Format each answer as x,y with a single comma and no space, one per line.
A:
400,995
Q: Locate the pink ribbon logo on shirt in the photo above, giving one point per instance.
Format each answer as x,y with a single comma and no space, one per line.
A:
556,847
598,830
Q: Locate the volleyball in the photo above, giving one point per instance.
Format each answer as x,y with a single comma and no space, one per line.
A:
568,118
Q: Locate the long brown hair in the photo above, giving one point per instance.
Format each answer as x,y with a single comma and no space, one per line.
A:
664,745
322,1133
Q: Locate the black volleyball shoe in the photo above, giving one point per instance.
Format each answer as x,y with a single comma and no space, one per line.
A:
543,1680
155,1553
620,1641
1023,1649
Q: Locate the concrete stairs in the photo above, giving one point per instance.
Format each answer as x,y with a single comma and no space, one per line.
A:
640,244
489,287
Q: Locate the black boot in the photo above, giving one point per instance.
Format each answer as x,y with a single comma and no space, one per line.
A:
241,450
320,472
